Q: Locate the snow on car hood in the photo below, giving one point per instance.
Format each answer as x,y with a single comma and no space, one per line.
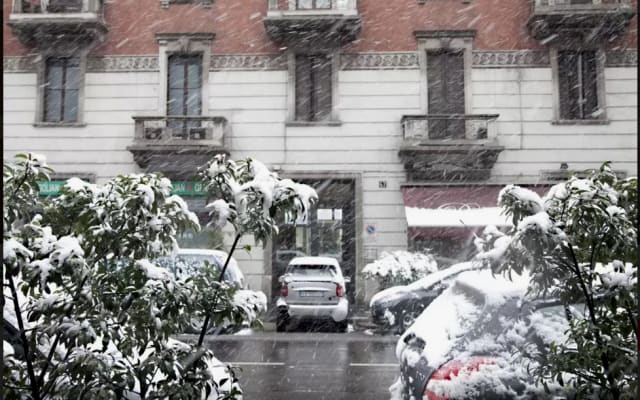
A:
454,312
424,283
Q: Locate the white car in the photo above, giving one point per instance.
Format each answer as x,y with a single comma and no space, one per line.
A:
313,288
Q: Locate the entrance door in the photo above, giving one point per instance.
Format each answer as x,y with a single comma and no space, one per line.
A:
329,232
445,79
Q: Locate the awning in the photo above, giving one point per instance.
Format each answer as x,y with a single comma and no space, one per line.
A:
455,207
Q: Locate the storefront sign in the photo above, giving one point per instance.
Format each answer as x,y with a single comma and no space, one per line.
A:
181,188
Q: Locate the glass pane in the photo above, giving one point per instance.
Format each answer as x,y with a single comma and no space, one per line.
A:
54,74
52,105
72,78
193,103
176,73
305,4
323,3
569,85
590,84
194,78
70,105
175,105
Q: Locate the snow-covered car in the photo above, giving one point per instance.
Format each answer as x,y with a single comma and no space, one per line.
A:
313,288
468,343
397,307
187,262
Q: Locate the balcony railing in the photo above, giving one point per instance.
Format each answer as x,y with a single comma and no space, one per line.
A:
56,6
313,6
593,17
418,128
179,130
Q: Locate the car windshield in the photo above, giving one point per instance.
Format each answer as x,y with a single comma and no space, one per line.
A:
312,270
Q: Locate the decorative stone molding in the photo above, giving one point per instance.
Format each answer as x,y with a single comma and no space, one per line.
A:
358,61
165,3
123,63
622,58
350,61
221,62
511,58
20,64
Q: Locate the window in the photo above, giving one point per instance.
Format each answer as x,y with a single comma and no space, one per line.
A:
313,87
313,4
184,91
578,85
61,89
445,80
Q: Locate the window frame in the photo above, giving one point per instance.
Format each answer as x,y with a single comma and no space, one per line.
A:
333,119
184,43
600,86
41,87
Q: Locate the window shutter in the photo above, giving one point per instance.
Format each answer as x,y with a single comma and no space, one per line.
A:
322,87
569,85
590,84
303,88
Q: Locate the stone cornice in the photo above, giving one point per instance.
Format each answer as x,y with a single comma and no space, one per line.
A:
264,62
349,61
511,58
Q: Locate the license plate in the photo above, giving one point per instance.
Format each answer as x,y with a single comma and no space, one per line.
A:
311,294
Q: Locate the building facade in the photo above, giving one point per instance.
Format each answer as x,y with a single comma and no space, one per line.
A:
406,116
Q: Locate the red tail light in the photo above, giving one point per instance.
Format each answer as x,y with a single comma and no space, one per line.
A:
339,290
284,290
450,370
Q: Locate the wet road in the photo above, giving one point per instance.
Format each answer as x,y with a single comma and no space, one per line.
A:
310,366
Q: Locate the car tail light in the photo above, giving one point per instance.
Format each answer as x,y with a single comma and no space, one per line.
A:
284,290
450,370
339,290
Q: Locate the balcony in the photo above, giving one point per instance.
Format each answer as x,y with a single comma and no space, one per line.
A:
177,145
312,24
51,22
586,18
449,147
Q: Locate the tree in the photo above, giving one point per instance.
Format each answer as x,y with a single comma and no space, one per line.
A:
251,198
400,268
94,314
579,244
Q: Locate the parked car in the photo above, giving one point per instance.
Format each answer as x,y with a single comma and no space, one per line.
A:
468,341
187,262
312,288
397,307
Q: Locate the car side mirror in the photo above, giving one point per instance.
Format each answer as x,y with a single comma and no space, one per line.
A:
347,279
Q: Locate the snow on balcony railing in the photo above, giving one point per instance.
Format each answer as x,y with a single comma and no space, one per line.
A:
316,6
56,6
179,129
449,126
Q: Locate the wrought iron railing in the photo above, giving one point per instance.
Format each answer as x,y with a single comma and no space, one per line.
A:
56,6
180,129
449,126
312,5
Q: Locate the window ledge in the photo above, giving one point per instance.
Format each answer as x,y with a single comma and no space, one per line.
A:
59,124
580,122
313,123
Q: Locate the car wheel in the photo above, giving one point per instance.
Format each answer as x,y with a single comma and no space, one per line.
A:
282,320
342,326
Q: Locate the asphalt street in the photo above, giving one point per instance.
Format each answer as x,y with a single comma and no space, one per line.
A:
310,365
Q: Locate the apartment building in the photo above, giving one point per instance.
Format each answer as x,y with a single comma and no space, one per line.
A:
408,116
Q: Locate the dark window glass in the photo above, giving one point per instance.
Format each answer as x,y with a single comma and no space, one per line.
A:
313,4
313,87
445,80
184,95
578,84
62,86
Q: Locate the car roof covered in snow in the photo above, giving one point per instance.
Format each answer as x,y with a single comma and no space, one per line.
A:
314,261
